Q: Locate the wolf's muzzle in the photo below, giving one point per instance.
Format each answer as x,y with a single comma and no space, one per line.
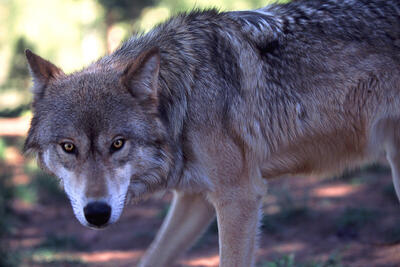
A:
97,213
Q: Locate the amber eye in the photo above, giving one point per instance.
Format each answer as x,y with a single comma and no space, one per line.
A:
118,144
68,147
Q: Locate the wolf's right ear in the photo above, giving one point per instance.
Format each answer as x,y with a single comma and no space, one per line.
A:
141,76
42,71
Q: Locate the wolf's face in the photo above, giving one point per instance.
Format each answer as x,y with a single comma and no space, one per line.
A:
98,130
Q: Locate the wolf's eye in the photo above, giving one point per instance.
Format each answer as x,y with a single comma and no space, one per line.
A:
68,147
117,144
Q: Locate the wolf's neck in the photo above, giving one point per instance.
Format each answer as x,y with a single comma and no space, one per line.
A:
184,48
194,50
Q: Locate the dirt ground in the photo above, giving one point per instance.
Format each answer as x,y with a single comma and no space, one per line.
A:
352,220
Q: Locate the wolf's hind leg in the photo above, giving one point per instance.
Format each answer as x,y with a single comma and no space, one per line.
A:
189,216
388,132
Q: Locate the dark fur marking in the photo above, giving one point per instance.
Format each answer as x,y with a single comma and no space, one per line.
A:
269,48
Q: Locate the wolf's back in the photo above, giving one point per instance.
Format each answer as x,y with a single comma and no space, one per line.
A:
372,21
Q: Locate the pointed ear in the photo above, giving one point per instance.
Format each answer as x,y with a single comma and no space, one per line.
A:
42,71
31,146
141,76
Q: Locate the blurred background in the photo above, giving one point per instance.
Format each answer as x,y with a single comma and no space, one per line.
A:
352,220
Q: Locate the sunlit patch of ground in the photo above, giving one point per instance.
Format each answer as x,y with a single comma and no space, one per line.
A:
210,261
290,247
334,191
387,255
14,126
110,257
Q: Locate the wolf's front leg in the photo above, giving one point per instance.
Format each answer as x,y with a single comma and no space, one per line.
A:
394,161
189,216
238,216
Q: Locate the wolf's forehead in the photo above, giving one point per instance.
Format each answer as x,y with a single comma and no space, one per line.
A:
96,119
89,99
88,87
90,106
90,121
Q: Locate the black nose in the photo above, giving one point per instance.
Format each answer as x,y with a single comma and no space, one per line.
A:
97,213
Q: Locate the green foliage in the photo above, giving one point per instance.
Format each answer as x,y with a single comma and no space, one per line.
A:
376,169
290,211
284,261
145,236
184,5
61,243
15,111
351,220
17,82
48,188
334,260
392,235
48,257
125,10
16,142
6,196
9,259
164,211
273,223
2,149
18,76
367,174
209,237
42,188
6,217
47,252
390,193
26,193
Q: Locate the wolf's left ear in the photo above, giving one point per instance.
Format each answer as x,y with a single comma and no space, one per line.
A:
42,71
141,76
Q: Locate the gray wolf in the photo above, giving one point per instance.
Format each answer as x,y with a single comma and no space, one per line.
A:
213,104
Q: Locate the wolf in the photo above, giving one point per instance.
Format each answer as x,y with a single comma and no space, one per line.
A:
211,105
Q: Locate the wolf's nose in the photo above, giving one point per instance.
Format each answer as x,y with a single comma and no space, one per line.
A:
97,213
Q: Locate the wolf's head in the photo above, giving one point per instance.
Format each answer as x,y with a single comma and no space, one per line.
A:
99,131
